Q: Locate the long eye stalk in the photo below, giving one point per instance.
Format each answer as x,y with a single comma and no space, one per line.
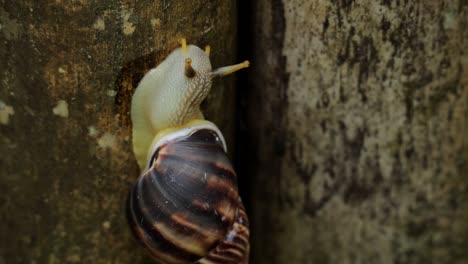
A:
223,71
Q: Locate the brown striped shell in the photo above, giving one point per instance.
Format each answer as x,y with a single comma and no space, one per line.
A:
186,208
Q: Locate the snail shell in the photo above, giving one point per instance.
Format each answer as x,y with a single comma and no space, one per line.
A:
185,208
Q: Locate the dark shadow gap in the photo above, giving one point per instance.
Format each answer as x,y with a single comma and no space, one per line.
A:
243,146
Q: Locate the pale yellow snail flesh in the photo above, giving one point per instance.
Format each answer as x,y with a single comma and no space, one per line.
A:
167,98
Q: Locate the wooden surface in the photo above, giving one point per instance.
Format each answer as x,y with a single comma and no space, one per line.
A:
68,69
355,131
353,125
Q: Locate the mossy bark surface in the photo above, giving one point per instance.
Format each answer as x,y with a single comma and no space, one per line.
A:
357,120
68,70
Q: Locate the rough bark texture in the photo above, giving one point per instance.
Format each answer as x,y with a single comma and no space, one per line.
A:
356,117
68,69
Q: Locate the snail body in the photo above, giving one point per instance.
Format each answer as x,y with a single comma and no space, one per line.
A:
185,206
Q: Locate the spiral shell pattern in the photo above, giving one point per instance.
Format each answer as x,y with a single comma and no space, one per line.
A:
186,208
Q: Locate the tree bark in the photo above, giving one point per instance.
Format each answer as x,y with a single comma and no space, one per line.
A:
355,139
68,70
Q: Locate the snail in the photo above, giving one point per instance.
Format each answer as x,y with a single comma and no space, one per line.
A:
185,206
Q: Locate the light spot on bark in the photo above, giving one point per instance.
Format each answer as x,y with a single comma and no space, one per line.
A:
61,109
61,70
106,225
111,93
5,112
127,27
92,131
99,24
206,30
106,141
155,22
